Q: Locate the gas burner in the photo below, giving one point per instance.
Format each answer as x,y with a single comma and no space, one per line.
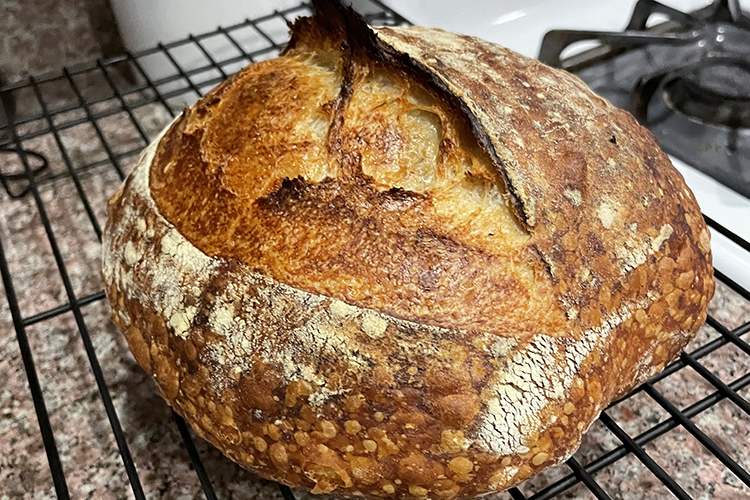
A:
687,79
715,91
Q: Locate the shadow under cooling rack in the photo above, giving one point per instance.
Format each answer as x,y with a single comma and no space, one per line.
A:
72,140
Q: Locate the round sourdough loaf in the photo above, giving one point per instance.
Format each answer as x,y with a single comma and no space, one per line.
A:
401,262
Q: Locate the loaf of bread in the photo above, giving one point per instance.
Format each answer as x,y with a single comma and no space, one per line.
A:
402,262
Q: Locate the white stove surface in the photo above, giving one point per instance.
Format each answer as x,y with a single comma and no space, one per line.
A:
521,24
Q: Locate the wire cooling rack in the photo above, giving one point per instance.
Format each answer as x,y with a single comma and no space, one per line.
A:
71,139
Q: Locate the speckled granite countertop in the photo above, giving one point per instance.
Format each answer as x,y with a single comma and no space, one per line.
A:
87,447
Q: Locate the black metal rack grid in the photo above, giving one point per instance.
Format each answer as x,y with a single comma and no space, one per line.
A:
129,89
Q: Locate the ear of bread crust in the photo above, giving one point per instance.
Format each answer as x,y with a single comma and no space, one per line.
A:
402,262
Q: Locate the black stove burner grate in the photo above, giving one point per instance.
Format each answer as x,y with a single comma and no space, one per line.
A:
35,175
687,79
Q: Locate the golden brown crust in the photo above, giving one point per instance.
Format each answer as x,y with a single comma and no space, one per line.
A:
378,266
354,233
